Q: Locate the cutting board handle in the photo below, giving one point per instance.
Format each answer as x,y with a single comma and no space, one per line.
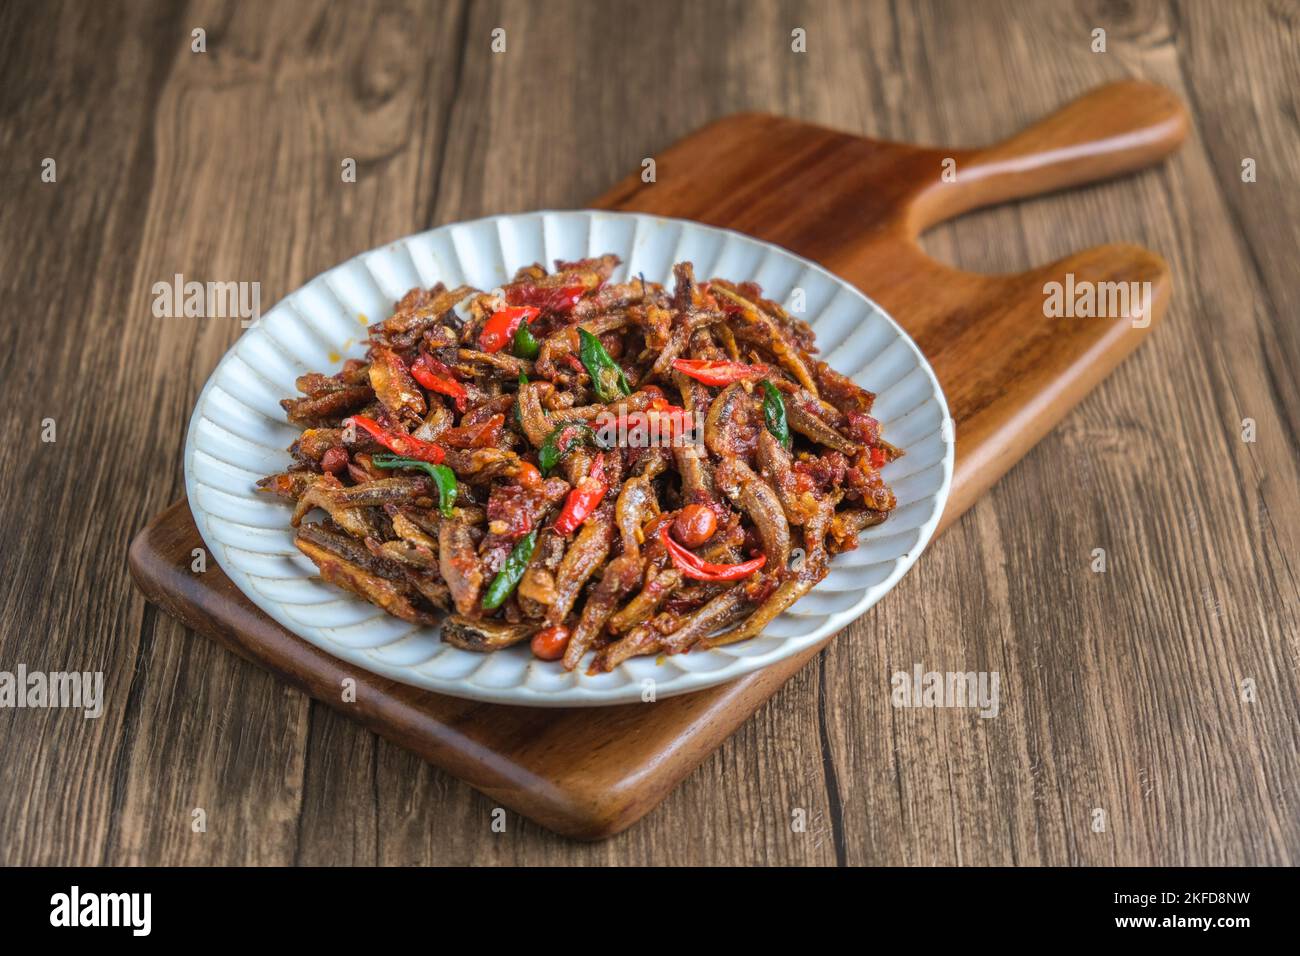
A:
1114,129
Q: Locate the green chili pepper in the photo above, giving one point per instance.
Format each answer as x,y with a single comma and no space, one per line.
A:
774,413
558,444
504,583
443,477
607,376
526,345
519,412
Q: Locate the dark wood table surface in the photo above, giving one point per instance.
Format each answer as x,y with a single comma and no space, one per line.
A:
1121,692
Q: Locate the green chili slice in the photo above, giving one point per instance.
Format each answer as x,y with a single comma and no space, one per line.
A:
443,477
516,563
607,376
519,411
558,444
774,413
526,345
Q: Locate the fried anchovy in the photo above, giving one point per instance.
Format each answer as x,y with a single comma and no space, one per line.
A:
647,601
582,559
459,564
620,576
756,498
557,516
811,426
347,568
471,634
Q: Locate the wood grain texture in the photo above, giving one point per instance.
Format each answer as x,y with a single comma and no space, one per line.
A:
1120,690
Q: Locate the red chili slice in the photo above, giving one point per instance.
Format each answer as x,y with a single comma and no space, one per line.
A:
482,435
499,330
701,570
668,419
557,299
437,377
408,446
584,499
719,373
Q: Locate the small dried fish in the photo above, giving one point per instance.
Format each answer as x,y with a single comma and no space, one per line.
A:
494,469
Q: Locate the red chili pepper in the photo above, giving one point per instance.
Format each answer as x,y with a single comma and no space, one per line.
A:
720,373
668,419
482,435
701,570
499,330
436,377
408,446
583,499
878,458
558,299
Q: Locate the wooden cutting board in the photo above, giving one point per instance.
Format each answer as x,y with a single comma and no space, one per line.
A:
856,206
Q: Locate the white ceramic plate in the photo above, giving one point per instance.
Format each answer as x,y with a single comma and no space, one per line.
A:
239,433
